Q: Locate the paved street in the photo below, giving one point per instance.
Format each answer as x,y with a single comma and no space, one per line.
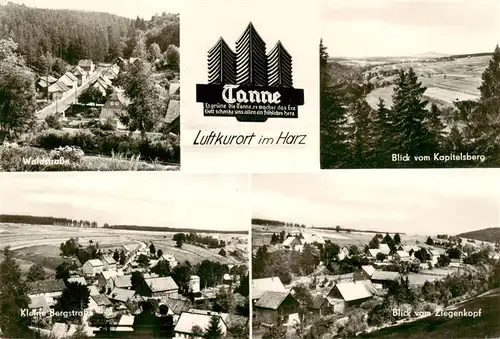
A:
63,104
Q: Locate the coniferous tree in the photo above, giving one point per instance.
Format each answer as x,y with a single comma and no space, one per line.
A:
214,330
333,120
381,134
410,133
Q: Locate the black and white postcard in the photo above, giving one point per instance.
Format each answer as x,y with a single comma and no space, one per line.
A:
122,255
410,84
376,254
251,97
89,85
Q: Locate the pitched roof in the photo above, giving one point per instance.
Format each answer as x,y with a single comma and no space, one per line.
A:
173,111
374,252
384,248
174,88
369,269
85,63
384,275
187,320
353,291
70,76
178,306
94,262
120,294
93,290
271,299
58,86
80,280
101,300
46,286
109,274
259,286
161,284
288,241
317,302
123,281
403,254
78,70
109,260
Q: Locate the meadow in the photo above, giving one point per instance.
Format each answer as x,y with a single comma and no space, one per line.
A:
446,80
40,243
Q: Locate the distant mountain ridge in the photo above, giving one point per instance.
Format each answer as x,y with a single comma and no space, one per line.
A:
491,234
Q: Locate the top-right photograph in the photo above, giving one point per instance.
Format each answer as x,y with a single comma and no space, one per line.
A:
410,84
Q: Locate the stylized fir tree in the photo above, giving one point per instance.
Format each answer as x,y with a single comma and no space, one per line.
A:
251,60
279,67
221,64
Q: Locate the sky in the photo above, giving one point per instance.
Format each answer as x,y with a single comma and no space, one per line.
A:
172,199
414,202
363,28
127,8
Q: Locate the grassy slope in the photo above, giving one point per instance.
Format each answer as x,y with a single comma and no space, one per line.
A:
485,326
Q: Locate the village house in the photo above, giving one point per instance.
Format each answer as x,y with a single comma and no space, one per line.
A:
102,84
345,295
92,267
80,74
170,259
293,243
402,256
39,304
109,263
162,287
343,253
57,90
311,238
113,109
174,91
123,281
48,288
172,118
320,307
229,319
121,295
177,306
435,253
384,248
384,279
100,304
69,80
260,286
368,270
87,66
104,277
274,308
194,284
77,279
187,321
43,83
125,324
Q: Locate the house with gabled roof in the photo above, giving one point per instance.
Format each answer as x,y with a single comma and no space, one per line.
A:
177,306
172,118
80,74
51,288
161,287
383,279
43,83
100,304
69,80
121,295
78,279
349,294
105,277
320,307
384,248
276,308
57,90
39,304
188,321
92,267
292,243
88,66
402,256
260,286
109,263
113,109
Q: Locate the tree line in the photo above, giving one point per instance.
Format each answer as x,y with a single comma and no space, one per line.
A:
353,135
196,239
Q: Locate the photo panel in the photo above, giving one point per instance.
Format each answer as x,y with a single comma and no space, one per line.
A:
124,255
89,86
410,84
251,98
376,254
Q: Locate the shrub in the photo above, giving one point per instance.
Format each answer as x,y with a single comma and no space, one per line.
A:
71,153
53,122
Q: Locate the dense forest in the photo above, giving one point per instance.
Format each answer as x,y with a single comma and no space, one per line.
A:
69,36
491,234
353,135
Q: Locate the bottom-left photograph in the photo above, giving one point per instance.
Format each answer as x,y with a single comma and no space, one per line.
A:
124,255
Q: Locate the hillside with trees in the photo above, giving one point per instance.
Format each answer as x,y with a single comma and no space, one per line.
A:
353,135
491,234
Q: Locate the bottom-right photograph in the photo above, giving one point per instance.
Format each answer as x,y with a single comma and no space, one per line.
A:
376,254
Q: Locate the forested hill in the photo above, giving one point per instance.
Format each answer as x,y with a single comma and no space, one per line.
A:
71,35
491,234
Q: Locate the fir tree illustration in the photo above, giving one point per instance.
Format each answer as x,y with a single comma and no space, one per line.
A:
251,59
279,66
221,64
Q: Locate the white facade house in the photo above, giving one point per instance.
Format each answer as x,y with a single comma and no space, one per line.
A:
109,263
92,267
184,327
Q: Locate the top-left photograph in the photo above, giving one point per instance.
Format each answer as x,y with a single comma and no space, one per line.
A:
89,85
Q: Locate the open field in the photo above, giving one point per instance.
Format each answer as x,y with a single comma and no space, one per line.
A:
40,243
261,235
484,326
446,81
